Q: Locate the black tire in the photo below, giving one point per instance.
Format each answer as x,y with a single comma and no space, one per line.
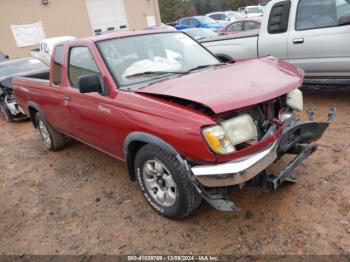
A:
57,140
187,198
8,117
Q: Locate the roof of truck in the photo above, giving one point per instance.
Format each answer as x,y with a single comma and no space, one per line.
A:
120,34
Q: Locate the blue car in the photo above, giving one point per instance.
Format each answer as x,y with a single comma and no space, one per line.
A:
198,22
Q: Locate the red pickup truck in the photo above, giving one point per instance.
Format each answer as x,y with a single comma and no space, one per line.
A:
187,125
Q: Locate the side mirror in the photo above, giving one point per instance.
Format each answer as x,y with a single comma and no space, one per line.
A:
90,84
225,59
344,20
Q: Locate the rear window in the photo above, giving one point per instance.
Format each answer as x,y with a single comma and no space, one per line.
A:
57,65
217,17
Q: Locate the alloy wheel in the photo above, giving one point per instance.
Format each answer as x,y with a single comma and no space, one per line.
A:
44,132
159,183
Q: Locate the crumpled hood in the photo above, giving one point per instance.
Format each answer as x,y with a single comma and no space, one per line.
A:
233,86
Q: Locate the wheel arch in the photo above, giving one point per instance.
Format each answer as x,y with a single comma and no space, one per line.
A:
33,108
135,140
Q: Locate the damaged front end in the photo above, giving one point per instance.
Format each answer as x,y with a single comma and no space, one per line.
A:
284,135
297,140
8,101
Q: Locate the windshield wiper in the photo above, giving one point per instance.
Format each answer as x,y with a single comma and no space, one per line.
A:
151,73
200,67
156,73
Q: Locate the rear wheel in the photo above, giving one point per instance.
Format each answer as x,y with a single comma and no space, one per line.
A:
164,183
52,139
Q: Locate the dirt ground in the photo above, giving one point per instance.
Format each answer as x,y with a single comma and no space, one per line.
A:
79,201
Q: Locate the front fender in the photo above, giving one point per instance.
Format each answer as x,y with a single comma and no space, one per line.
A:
135,140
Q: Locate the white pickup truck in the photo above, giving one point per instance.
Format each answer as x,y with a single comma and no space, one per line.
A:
46,47
312,34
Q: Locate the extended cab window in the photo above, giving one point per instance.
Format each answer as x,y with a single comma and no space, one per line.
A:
57,65
279,18
314,14
81,63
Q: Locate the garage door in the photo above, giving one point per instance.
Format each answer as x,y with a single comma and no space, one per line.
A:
107,15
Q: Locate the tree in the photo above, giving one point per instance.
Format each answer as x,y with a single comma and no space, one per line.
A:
202,6
172,10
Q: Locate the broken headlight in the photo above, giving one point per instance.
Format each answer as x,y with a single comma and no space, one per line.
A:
217,140
224,137
240,129
295,100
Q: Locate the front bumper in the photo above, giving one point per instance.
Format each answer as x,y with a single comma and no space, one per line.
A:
244,169
12,105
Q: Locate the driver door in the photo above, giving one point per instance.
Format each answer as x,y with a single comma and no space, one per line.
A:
89,114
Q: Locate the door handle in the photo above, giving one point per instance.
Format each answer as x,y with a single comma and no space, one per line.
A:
298,41
66,98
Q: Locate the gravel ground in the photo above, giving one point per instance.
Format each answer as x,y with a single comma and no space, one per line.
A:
79,201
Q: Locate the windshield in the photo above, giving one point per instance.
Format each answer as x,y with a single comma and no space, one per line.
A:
255,10
235,15
20,66
136,59
205,20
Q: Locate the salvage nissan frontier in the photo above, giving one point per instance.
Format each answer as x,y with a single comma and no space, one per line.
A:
187,125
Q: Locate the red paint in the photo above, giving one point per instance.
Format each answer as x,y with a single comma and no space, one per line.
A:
233,86
222,89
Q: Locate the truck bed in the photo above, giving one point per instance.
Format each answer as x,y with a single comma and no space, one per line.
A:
246,34
25,88
237,46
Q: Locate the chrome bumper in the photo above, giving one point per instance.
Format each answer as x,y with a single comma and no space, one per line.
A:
243,169
237,171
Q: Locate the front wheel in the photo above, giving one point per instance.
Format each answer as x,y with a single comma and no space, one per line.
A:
164,183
